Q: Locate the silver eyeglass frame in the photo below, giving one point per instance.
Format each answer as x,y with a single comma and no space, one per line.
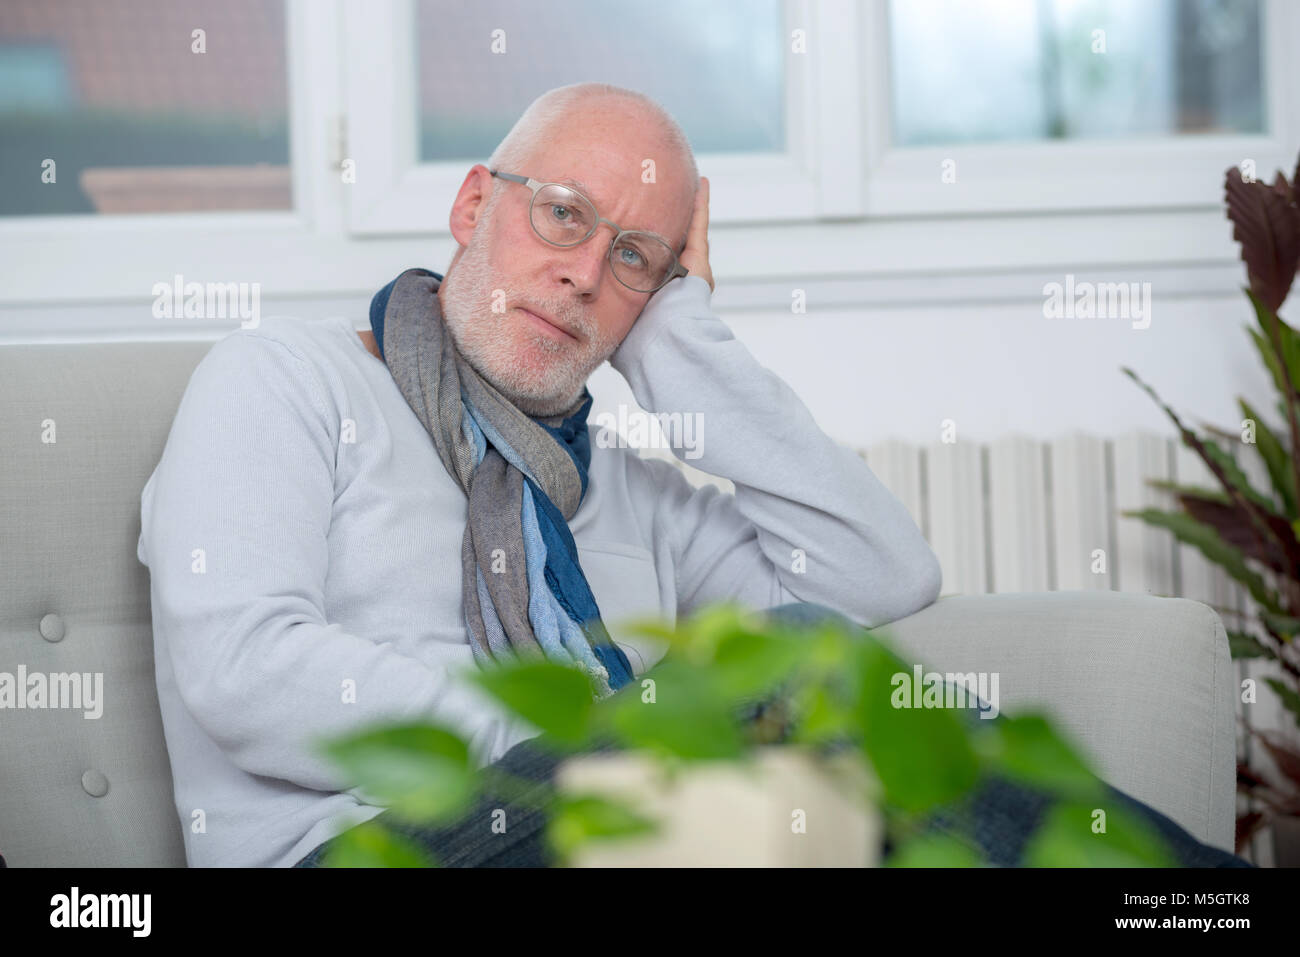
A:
535,185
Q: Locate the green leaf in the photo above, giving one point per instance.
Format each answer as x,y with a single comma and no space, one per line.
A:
1207,541
554,697
422,772
680,709
830,647
1276,458
1285,625
1192,491
1068,838
699,636
935,850
372,845
1270,361
752,663
576,819
1030,750
1232,471
1242,644
822,716
1225,471
922,756
1289,698
1266,318
654,626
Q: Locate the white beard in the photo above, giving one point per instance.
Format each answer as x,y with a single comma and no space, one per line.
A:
541,375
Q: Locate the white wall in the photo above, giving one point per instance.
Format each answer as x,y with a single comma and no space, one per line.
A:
1001,368
891,370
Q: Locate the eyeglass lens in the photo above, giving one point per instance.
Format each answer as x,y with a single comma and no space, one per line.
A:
565,217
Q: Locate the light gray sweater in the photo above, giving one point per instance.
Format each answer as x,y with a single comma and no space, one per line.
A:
304,541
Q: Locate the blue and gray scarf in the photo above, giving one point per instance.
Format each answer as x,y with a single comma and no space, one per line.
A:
525,594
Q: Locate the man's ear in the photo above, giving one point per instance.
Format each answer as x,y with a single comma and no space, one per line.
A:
471,198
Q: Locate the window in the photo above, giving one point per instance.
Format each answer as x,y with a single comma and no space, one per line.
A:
153,106
990,107
481,64
983,71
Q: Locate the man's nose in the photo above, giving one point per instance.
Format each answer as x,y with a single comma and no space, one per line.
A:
584,264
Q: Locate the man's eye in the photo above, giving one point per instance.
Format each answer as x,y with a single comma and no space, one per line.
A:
562,210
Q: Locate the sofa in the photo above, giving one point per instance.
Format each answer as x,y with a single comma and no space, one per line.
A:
1143,684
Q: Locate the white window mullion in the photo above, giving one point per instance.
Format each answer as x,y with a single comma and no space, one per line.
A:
837,108
1282,79
379,66
316,109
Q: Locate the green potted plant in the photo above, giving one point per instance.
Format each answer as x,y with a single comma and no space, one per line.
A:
734,686
1253,534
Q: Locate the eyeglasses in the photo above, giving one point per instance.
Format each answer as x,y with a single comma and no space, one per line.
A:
562,216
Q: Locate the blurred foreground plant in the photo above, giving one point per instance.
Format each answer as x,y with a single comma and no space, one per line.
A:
731,682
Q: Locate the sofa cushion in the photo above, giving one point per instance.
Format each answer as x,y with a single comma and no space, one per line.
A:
83,426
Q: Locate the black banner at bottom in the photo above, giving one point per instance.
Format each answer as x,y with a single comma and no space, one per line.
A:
333,906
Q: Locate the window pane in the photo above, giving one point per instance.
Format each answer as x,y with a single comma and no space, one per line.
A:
717,67
112,108
988,70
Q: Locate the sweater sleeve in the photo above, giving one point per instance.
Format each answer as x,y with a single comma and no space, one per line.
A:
235,522
809,521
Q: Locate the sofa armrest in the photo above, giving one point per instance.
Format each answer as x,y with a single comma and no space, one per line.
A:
1144,685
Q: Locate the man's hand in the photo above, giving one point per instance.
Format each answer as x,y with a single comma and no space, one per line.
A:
695,257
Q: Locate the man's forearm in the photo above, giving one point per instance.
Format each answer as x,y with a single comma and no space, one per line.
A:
830,532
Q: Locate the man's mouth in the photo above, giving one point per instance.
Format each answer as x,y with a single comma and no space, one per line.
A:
548,326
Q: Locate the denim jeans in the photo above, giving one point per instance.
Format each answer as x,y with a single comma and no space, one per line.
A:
1000,815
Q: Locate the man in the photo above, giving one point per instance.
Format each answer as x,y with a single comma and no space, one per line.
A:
307,541
341,524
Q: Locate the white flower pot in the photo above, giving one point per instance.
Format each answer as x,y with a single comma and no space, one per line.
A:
789,810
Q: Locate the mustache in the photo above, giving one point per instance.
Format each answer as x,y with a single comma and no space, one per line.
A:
567,313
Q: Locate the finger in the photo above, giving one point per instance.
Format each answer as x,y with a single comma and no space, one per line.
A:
700,219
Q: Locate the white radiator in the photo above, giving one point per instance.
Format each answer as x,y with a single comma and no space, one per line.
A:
1019,514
